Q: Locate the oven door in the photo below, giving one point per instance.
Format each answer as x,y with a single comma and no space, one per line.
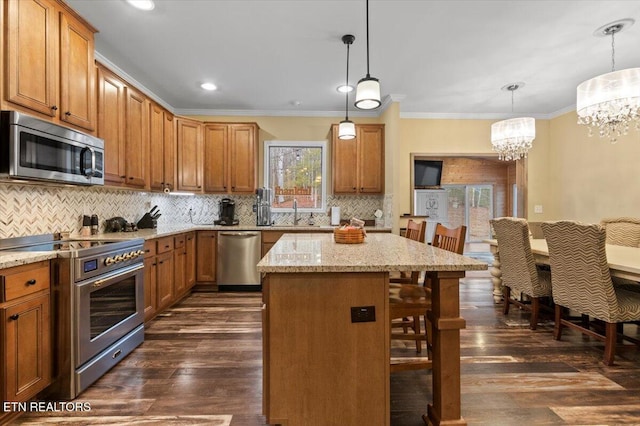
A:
107,308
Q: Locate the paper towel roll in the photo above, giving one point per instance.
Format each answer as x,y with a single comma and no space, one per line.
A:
335,215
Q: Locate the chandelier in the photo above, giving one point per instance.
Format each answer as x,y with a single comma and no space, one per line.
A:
610,102
346,129
512,139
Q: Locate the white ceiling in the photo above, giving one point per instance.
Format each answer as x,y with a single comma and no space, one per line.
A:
439,58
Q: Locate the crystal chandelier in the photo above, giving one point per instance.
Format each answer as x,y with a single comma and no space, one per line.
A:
610,102
512,139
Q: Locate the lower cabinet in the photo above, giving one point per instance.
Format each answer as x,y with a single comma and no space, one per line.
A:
190,273
150,280
206,250
25,332
179,265
164,291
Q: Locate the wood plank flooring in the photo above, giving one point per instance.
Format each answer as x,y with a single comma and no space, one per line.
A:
201,364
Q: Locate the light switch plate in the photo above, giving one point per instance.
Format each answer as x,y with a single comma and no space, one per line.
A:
537,208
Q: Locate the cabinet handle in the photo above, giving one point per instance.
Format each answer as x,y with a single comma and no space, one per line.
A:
166,246
123,177
131,177
14,317
67,113
224,187
199,186
354,188
147,250
162,262
31,282
154,264
54,108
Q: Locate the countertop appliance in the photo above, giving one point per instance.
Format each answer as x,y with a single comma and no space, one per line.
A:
226,212
97,290
238,254
263,207
33,149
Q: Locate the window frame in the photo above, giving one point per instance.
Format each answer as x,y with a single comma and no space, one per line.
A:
323,145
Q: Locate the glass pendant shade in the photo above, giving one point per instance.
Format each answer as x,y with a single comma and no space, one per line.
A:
513,138
610,103
346,130
368,93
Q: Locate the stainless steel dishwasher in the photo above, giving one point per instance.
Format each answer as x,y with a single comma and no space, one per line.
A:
238,254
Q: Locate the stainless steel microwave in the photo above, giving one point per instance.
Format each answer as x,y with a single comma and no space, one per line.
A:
34,149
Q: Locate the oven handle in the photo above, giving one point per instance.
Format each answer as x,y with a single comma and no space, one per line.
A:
99,283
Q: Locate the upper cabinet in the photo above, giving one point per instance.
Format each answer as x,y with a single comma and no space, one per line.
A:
162,148
50,62
189,154
111,116
136,134
358,164
230,155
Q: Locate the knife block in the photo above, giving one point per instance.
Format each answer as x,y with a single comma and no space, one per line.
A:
147,222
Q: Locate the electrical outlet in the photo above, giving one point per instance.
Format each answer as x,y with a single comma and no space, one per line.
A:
363,314
537,208
147,205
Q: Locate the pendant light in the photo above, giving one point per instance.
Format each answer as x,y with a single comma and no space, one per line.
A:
346,129
512,139
368,90
610,102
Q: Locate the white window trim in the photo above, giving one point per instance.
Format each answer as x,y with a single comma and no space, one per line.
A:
306,144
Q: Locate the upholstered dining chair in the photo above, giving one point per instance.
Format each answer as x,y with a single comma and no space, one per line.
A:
520,274
622,231
581,282
410,301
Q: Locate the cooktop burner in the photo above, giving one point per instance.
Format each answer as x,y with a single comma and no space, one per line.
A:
66,248
60,245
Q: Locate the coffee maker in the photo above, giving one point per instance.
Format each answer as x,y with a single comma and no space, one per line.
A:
263,207
226,212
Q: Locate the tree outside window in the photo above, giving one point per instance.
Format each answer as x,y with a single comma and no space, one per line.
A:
296,170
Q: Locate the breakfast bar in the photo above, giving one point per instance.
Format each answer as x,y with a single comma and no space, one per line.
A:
326,328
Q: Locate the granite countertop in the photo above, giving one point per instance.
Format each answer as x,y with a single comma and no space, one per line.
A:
9,258
380,252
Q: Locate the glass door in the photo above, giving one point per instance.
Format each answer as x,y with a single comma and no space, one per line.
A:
472,206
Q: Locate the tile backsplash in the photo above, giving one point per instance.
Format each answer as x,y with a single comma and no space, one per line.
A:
30,209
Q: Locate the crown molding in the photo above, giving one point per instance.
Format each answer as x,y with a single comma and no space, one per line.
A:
270,113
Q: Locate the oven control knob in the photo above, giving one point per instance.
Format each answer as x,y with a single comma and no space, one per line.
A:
109,261
118,258
133,255
140,252
126,256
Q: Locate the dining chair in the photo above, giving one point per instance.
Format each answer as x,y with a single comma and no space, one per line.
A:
622,231
451,239
581,282
409,302
520,274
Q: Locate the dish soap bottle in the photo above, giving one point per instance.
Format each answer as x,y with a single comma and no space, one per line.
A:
311,221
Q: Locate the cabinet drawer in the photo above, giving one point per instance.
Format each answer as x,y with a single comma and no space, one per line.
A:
24,280
271,236
150,248
179,241
165,244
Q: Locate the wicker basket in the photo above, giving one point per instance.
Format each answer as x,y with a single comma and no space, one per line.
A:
348,236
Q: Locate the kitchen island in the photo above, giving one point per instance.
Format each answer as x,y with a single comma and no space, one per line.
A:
326,328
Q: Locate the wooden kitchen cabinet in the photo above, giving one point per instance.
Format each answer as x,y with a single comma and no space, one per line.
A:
230,155
150,280
137,142
161,149
179,265
50,66
189,155
206,249
358,164
190,275
111,118
25,332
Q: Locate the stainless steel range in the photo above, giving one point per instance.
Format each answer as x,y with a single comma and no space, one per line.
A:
98,306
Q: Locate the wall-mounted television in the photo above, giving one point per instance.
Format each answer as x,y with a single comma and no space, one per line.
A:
427,173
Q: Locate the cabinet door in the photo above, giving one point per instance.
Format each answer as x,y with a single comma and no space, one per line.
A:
164,286
191,260
189,155
370,158
77,73
207,247
344,155
136,137
150,287
111,109
169,151
156,147
242,149
31,55
216,163
27,342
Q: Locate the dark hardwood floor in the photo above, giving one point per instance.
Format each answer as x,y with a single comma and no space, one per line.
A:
201,364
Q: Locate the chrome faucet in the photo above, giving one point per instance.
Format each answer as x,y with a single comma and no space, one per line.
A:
296,219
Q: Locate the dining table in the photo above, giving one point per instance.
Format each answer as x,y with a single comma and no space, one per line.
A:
326,328
623,261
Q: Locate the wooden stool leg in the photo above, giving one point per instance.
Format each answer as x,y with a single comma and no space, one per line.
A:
416,330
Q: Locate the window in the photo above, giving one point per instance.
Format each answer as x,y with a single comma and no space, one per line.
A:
296,171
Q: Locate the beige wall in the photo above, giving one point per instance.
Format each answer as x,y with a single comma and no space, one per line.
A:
592,178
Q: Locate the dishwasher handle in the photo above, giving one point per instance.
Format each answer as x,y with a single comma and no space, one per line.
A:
239,234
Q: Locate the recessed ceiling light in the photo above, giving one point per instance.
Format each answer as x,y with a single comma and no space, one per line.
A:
344,88
142,4
208,86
